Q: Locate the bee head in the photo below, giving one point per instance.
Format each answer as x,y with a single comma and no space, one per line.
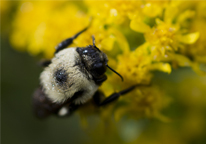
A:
94,60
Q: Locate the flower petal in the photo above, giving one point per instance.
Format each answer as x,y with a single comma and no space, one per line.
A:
189,38
164,67
121,40
139,26
108,43
171,12
185,15
152,9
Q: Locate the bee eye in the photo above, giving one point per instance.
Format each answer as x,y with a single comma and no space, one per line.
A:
99,69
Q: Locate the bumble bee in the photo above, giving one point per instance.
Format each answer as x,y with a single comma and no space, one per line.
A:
71,79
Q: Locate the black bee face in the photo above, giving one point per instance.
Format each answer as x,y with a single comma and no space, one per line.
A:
94,60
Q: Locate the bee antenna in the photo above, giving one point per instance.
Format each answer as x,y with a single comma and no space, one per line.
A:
93,40
115,72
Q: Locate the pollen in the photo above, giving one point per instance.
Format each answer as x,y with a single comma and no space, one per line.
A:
162,37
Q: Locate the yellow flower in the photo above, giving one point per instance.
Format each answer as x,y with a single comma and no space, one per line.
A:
172,33
153,8
198,50
110,12
164,37
169,36
145,101
40,26
117,12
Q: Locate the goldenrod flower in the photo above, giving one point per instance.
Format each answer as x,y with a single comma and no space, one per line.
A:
165,36
170,30
139,37
117,12
146,101
198,51
37,22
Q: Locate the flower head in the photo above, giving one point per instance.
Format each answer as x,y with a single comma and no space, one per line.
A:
172,34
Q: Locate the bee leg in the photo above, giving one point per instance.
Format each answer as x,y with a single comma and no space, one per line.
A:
98,97
68,41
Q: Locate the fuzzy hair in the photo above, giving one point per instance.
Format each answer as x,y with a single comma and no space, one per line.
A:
76,79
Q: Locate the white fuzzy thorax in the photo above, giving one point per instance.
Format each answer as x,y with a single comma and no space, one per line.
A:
66,59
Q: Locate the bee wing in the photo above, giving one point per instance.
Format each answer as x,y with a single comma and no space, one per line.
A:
43,106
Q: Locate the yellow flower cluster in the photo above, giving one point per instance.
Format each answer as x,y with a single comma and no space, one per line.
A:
198,51
172,34
40,26
139,37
